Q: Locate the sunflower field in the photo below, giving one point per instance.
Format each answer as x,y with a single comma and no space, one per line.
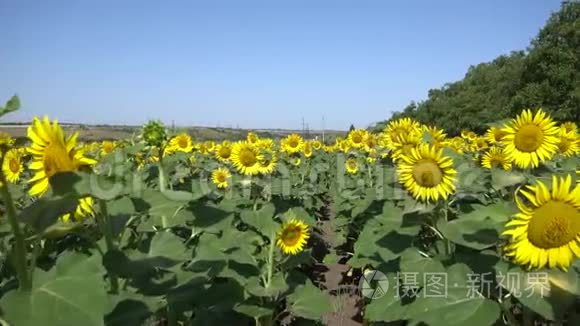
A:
163,229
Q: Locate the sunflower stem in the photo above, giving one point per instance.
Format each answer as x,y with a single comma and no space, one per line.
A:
36,249
19,245
19,259
270,260
105,224
448,248
162,184
267,320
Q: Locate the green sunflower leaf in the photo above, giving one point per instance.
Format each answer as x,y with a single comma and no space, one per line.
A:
309,302
73,293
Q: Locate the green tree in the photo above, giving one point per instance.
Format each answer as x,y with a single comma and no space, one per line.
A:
551,76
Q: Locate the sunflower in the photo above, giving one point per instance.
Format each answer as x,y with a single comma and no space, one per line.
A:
531,139
569,127
404,126
268,163
246,158
351,166
404,144
478,144
200,147
223,151
568,144
357,137
468,135
496,157
86,148
252,138
457,144
307,150
427,174
344,146
316,144
181,143
372,156
382,140
52,153
547,232
292,237
292,144
435,133
12,165
370,143
296,161
107,147
93,147
84,209
22,151
209,146
265,144
329,148
5,139
438,136
139,160
220,177
154,155
494,135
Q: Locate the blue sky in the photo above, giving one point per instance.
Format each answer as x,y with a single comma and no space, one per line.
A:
253,64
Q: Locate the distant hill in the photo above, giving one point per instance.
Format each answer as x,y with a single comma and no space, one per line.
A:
546,75
113,132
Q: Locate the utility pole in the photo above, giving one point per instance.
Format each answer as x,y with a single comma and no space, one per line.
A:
323,129
302,126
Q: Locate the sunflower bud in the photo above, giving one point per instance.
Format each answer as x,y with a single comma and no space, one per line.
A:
154,133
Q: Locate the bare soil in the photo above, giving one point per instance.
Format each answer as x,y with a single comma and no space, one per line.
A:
337,278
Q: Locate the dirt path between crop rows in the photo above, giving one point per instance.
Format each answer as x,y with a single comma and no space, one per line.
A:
337,278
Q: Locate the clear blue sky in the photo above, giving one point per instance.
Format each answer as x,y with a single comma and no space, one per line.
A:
255,64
